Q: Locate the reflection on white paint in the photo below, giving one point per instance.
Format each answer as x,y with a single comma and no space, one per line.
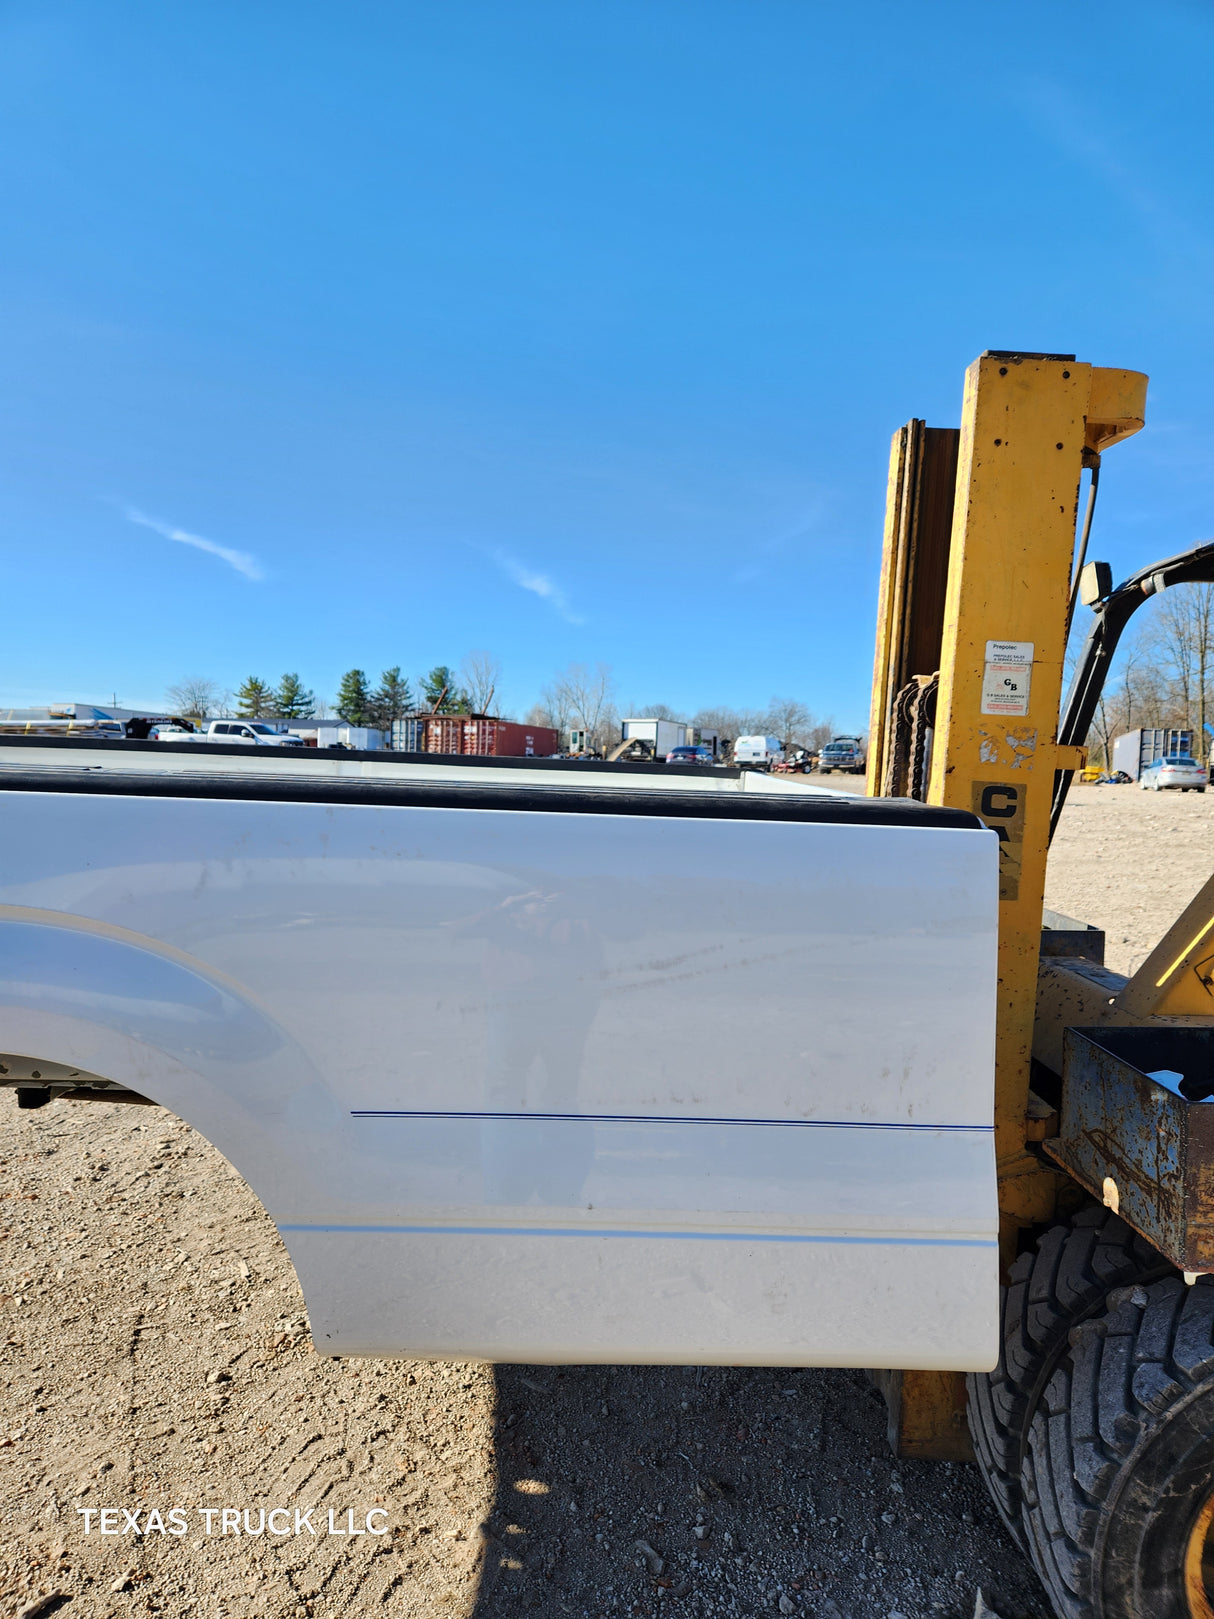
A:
549,1085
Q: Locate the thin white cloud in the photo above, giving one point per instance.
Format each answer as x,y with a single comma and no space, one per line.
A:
763,553
1087,136
242,561
538,584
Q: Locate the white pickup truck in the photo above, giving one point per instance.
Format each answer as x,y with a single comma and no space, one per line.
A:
479,1034
243,733
247,732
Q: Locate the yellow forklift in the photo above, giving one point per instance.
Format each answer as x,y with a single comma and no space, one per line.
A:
1096,1429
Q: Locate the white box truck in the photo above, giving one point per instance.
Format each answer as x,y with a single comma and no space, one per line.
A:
662,735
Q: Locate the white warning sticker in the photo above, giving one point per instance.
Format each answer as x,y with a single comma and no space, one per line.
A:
1008,677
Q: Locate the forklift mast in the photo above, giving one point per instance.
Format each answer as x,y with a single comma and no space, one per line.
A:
976,588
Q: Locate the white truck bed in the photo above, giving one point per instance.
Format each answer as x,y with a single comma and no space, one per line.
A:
540,1064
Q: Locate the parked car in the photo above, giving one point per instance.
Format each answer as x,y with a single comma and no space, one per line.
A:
697,755
1174,770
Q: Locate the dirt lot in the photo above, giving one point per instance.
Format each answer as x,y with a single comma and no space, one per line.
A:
1129,862
156,1355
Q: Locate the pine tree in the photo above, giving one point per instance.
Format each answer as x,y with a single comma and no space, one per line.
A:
292,700
392,698
254,700
354,698
442,693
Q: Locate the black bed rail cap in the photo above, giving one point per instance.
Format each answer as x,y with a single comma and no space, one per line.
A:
549,796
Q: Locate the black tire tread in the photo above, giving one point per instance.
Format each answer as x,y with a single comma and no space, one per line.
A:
1064,1279
1124,1371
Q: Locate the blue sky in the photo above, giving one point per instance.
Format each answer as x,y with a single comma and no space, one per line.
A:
570,331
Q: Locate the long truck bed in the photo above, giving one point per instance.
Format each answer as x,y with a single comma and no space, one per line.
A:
539,1062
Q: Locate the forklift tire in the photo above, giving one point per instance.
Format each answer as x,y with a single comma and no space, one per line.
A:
1064,1280
1119,1471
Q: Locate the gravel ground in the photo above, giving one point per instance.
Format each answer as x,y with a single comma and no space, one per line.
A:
156,1355
1129,862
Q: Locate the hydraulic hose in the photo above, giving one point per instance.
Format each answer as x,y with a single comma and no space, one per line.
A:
1081,555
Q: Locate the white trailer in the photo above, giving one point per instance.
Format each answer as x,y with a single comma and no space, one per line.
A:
662,735
337,734
1134,750
63,719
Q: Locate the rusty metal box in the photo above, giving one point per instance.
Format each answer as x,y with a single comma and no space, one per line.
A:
1153,1143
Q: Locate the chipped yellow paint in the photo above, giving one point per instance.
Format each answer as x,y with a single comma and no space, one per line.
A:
1021,744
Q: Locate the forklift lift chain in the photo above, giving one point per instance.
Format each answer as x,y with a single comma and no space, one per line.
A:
1051,1289
1118,1475
913,718
896,771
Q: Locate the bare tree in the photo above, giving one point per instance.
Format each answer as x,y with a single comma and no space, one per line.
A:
194,697
1168,639
1164,674
554,708
480,674
583,695
788,719
1126,702
1101,731
591,693
1182,637
730,722
1115,710
1203,649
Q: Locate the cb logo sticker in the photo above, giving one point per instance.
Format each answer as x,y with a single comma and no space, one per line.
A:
1000,805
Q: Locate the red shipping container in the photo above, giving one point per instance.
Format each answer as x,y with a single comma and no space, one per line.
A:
444,733
480,734
515,741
